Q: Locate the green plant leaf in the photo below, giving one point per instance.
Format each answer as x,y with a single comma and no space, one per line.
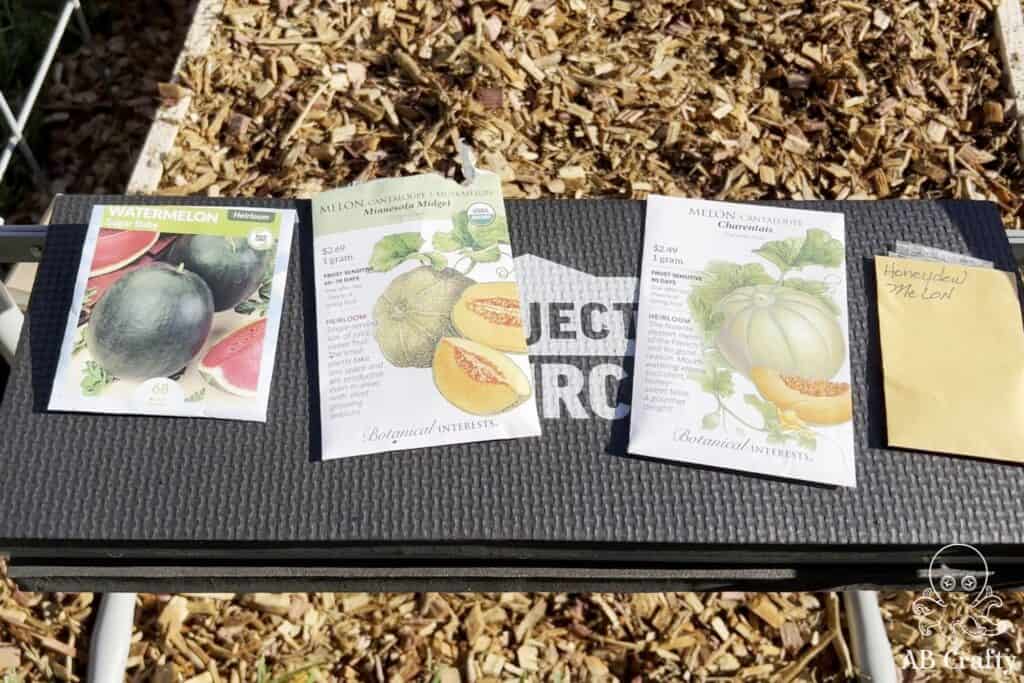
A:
458,237
79,341
472,237
447,241
391,250
460,224
704,316
710,421
714,358
488,255
807,440
94,378
251,306
819,290
485,236
719,279
821,249
781,252
716,381
434,260
815,248
264,291
769,413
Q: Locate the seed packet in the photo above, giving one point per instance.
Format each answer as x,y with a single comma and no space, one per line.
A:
176,311
742,354
952,357
419,326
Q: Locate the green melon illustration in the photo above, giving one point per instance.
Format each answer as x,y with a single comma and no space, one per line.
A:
781,328
150,323
415,312
231,267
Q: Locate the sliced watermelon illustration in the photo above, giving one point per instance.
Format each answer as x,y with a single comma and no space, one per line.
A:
97,286
233,363
115,249
161,244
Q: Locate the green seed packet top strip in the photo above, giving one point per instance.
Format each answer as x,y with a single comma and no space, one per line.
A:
176,311
419,320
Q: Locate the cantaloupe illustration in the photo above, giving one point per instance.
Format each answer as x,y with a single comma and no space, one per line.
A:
818,402
414,313
490,313
782,328
478,379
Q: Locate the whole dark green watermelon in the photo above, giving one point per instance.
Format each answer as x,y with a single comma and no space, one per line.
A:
232,269
150,323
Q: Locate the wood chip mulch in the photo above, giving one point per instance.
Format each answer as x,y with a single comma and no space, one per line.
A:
99,101
954,657
437,638
837,99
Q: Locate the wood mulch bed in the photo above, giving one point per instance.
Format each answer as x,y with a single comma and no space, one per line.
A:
483,637
733,100
438,637
99,101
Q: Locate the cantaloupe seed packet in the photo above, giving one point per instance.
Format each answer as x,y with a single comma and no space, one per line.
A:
175,311
742,357
420,335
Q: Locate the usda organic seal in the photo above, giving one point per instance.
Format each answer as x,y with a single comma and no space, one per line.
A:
480,214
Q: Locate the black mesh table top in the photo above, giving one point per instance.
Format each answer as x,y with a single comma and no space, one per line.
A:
88,495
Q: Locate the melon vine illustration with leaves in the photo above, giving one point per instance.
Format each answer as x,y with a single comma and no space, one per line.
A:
782,332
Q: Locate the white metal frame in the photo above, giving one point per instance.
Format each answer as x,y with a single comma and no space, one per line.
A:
16,124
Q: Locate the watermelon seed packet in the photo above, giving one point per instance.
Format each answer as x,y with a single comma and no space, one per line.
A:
175,311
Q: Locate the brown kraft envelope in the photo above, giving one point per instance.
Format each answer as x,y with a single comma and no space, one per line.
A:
953,358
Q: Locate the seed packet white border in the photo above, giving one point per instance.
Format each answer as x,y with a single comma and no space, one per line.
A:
254,409
681,238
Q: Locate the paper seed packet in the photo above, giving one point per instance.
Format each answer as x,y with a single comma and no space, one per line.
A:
742,353
176,311
419,327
